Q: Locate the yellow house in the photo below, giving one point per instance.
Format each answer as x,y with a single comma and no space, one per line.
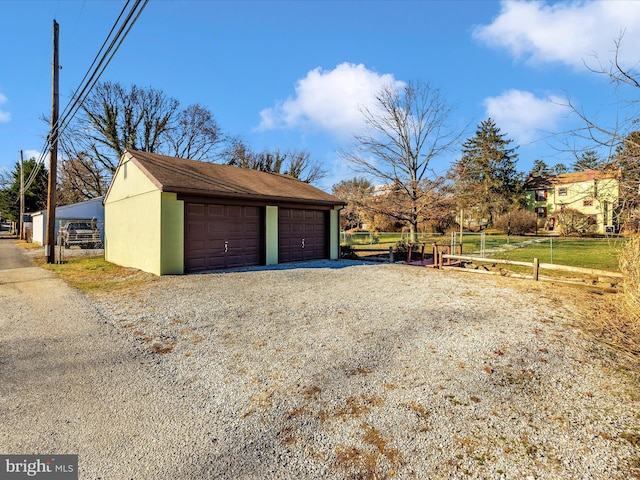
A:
168,215
594,194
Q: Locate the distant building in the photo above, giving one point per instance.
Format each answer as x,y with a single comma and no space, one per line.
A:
592,193
87,210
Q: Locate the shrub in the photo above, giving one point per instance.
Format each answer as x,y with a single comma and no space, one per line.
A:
401,249
516,223
347,252
573,222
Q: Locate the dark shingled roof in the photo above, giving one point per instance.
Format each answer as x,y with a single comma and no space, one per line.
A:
179,175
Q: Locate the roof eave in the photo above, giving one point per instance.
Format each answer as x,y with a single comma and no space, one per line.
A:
245,196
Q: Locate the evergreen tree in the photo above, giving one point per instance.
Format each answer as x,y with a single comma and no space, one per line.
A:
540,169
588,160
560,168
35,197
485,178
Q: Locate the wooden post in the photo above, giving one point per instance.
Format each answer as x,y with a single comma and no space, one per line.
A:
536,268
390,254
440,260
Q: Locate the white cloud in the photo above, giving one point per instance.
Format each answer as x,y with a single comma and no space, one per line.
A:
329,100
28,154
523,116
566,32
4,116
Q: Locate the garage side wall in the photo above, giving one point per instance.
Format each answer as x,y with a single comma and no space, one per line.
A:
334,234
172,242
133,221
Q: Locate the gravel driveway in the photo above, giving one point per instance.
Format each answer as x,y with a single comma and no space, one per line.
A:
347,370
327,370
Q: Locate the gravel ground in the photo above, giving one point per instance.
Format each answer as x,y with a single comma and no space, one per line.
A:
325,370
347,370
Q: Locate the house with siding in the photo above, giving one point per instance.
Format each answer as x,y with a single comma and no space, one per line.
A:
592,193
168,215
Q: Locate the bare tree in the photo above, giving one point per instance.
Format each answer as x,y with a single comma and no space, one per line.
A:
115,118
357,193
296,163
194,134
621,140
80,179
407,129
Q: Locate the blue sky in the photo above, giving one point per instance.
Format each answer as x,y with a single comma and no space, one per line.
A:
292,74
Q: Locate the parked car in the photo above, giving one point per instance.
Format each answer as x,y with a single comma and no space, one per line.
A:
81,233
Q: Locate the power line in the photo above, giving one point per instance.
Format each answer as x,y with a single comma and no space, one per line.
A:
86,86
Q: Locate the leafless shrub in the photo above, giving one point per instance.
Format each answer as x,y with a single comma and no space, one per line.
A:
516,223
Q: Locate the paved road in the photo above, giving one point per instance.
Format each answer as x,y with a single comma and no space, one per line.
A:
10,255
69,384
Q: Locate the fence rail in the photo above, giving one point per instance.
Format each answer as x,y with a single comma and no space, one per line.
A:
599,275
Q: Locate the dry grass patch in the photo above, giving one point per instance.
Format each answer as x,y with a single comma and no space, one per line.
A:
365,463
94,274
615,320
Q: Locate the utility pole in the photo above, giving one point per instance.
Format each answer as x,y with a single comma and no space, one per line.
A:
21,219
50,242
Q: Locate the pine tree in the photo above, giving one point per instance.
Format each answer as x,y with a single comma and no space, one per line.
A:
35,197
485,178
540,169
589,160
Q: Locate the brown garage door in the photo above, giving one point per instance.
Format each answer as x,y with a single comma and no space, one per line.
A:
302,234
222,236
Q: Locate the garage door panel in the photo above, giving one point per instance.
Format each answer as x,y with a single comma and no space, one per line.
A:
302,234
222,236
215,210
195,209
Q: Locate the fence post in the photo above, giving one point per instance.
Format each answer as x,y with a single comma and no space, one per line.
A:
536,268
390,254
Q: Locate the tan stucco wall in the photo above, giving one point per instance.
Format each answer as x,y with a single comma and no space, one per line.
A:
271,220
132,221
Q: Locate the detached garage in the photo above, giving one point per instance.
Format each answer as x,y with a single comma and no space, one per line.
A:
168,215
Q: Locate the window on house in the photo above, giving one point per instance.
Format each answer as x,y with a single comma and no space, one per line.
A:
587,203
562,191
541,212
541,195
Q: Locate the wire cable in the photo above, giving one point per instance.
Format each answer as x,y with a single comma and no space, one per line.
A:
77,99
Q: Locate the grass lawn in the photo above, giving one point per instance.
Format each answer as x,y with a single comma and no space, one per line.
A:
576,252
595,253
